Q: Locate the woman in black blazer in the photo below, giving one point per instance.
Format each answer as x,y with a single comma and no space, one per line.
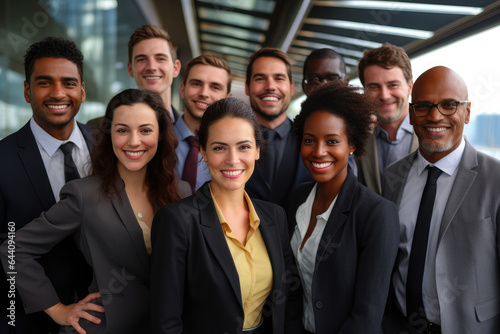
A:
344,236
109,215
222,263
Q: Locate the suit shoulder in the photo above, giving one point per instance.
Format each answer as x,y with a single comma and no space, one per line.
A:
9,142
368,198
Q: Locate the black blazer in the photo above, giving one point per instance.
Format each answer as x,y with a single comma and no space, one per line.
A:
290,174
194,282
25,192
354,259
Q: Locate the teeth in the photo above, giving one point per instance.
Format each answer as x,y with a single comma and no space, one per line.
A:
152,78
202,104
269,98
322,165
232,173
436,129
58,106
134,154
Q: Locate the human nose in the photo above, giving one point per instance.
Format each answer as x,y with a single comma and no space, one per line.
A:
151,65
134,139
204,90
434,114
385,94
319,150
232,157
57,91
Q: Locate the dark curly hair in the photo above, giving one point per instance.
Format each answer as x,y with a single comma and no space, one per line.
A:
343,101
229,107
160,174
52,47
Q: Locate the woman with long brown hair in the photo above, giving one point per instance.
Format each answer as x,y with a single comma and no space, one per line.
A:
110,215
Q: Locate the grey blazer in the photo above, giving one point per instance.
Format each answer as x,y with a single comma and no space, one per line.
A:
108,234
368,168
468,252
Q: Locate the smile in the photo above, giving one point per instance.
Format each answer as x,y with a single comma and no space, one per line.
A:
436,129
321,165
202,105
58,106
270,98
232,173
134,154
152,78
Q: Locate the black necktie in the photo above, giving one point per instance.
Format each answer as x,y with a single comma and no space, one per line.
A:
70,170
419,246
269,158
190,169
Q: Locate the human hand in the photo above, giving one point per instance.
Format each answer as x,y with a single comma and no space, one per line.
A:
69,315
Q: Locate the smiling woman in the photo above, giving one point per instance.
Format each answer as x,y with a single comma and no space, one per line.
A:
354,231
221,255
109,214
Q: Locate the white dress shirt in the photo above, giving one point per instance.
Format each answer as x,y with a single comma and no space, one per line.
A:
408,211
53,157
306,258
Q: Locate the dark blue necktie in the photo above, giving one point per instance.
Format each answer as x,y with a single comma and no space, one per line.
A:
70,170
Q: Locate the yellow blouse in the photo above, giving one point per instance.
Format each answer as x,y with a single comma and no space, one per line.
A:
252,263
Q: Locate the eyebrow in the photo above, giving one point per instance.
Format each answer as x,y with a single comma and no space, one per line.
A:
48,77
226,144
328,135
123,124
155,55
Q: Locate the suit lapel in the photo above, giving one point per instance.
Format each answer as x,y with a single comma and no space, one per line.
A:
271,237
214,236
87,134
369,164
338,217
463,182
127,216
35,169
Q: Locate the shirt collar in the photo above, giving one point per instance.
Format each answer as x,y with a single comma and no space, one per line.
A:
182,129
305,209
51,144
284,128
447,164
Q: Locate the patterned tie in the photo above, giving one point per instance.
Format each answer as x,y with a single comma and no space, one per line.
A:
191,165
419,246
70,170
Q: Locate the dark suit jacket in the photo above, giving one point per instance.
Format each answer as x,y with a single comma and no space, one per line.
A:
467,255
107,232
291,172
25,192
194,282
354,259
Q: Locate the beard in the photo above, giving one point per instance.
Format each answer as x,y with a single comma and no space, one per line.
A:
435,148
268,117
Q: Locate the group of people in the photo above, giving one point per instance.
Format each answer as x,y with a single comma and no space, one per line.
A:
366,214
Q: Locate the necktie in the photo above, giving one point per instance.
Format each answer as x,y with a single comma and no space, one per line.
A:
269,156
191,165
70,170
419,246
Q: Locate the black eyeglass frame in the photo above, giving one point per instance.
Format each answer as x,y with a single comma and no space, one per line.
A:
316,81
436,105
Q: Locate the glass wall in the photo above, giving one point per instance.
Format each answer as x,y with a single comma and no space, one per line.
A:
100,28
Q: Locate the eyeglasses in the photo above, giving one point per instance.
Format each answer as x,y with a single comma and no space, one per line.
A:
446,108
316,81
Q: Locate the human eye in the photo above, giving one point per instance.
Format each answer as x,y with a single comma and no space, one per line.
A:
217,87
245,147
393,85
195,84
121,130
146,130
422,106
333,77
308,141
372,88
218,148
332,141
448,105
70,84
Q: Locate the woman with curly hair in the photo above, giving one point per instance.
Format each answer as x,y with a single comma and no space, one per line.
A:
344,236
109,214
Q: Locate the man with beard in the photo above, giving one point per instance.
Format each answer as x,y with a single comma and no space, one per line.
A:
447,274
385,73
207,79
270,87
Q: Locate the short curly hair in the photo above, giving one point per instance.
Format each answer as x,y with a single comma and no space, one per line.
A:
52,47
346,102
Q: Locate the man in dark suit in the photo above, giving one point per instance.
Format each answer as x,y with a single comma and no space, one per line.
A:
270,87
36,160
385,73
153,63
447,274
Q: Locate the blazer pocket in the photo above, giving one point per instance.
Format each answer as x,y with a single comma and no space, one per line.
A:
488,309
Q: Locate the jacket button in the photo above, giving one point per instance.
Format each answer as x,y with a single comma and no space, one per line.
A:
319,304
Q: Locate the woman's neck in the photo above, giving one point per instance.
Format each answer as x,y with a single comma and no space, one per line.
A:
234,200
133,180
